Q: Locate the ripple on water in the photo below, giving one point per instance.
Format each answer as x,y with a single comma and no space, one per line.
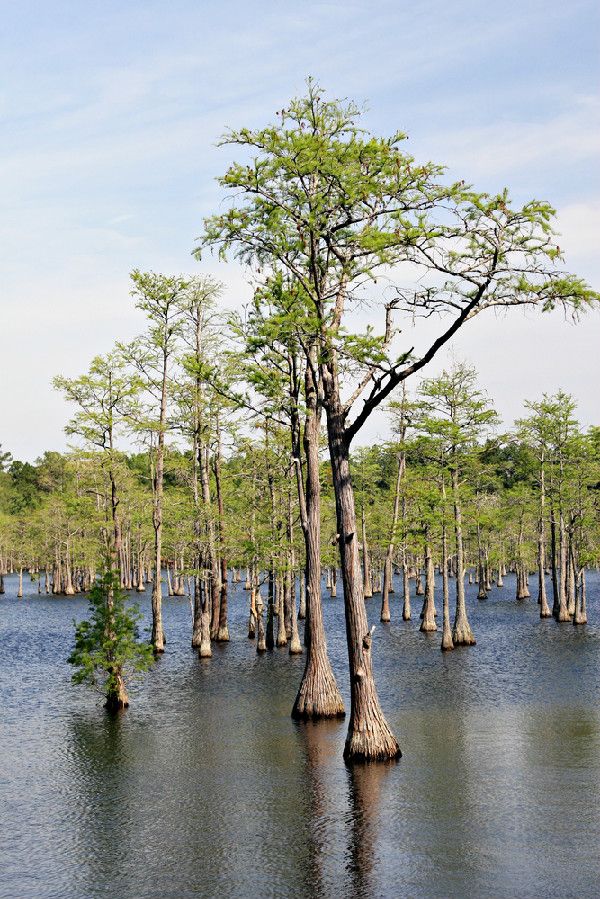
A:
206,787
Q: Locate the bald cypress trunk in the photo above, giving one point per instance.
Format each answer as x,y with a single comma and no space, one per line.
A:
318,695
333,588
367,573
223,627
447,642
541,556
205,649
580,615
369,735
482,587
157,637
428,614
282,637
571,576
563,611
553,565
462,635
419,588
261,643
406,610
252,616
116,697
292,617
387,570
302,585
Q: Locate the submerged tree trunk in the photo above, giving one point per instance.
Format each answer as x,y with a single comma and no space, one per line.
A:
580,616
223,627
462,635
387,569
406,611
447,642
261,643
563,611
302,585
367,573
157,637
369,735
428,614
205,650
318,695
116,696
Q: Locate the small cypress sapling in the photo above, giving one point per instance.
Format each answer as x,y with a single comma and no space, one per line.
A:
107,646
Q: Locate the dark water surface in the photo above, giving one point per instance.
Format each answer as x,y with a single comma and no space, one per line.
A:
205,786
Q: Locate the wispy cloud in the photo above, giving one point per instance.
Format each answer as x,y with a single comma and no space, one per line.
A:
111,114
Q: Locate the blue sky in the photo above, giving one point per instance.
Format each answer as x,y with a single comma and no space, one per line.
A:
110,117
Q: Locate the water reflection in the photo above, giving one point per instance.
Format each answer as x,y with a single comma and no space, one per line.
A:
206,787
366,782
97,798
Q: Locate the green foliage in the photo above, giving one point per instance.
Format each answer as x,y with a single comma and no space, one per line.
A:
25,484
328,204
107,644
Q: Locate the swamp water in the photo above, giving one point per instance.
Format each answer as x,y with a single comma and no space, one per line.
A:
206,788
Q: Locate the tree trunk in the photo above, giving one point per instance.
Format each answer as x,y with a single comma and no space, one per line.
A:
302,606
205,650
419,588
541,555
223,627
252,616
563,611
367,573
197,611
369,735
580,616
387,569
318,695
157,637
261,643
447,642
406,610
462,635
116,697
282,637
428,614
333,590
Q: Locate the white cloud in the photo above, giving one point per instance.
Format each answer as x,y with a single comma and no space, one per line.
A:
514,146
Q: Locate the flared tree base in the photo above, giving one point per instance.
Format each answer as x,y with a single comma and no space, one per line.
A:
295,646
373,744
318,696
462,635
117,699
196,637
158,647
447,641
